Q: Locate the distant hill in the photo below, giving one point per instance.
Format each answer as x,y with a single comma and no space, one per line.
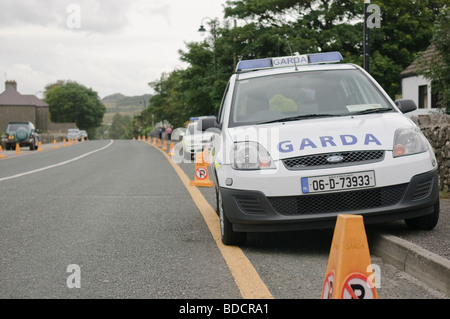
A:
125,105
113,97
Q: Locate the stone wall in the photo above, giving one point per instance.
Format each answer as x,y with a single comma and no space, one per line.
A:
436,127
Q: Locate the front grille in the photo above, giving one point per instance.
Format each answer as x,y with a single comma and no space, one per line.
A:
311,161
338,202
249,204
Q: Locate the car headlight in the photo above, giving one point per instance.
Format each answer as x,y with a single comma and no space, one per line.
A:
251,156
408,141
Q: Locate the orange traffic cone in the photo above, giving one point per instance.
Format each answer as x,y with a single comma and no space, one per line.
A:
154,141
159,143
54,144
172,149
164,147
349,272
206,158
201,173
64,142
18,151
2,155
39,146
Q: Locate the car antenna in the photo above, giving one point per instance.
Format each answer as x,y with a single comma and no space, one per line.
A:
289,46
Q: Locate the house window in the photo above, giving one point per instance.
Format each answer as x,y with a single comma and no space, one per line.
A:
423,96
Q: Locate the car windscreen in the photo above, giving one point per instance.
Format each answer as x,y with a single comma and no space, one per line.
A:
14,127
300,95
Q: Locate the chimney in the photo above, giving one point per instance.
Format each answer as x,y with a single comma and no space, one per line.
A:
12,84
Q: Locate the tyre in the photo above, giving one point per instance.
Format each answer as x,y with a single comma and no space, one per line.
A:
186,155
426,222
228,235
32,146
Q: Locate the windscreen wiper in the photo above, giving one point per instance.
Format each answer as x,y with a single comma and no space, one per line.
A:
369,111
298,117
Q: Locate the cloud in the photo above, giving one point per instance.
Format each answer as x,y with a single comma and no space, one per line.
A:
97,16
120,46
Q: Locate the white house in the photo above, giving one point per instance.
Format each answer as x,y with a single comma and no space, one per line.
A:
415,87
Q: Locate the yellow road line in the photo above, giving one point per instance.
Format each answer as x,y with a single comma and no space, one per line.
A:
245,275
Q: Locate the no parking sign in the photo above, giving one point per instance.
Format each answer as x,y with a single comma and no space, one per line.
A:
201,173
356,286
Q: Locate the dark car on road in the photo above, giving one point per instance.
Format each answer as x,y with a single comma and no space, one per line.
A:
23,134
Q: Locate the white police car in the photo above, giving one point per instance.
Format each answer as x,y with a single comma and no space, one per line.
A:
305,138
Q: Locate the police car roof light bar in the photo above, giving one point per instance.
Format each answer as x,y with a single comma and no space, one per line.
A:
254,64
328,57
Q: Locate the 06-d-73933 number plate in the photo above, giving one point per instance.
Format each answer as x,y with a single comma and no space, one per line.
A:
328,183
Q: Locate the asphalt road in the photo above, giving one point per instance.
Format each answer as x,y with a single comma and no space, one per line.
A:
119,212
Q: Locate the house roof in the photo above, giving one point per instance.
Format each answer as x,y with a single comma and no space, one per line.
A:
11,97
413,68
35,101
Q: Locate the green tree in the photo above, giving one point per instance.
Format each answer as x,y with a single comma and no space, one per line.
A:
118,126
73,102
265,28
324,25
437,69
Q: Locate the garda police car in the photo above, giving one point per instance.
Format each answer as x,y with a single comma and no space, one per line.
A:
305,138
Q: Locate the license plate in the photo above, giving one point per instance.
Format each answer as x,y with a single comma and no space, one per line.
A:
329,183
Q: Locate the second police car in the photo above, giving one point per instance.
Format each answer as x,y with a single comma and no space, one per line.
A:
305,138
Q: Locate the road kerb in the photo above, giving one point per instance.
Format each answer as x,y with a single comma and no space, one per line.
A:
416,261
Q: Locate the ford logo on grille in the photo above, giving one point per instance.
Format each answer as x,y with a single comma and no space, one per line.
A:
335,159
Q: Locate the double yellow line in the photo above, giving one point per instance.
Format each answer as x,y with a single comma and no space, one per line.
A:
245,275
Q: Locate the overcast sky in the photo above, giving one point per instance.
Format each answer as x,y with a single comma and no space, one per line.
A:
111,46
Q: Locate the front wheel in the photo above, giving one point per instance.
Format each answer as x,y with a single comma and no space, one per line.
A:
426,222
228,235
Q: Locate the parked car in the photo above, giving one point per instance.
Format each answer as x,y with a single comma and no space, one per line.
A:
23,134
84,134
194,141
306,138
74,134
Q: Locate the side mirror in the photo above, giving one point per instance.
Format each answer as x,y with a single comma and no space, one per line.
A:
207,123
406,106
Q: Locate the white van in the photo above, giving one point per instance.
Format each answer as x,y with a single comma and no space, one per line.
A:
305,138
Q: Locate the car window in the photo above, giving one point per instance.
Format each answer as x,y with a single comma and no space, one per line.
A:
191,129
331,92
14,127
222,108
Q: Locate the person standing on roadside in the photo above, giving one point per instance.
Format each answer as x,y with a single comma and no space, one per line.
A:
160,132
169,133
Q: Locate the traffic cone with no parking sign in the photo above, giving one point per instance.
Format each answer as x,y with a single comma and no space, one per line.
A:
172,149
164,147
201,173
349,272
